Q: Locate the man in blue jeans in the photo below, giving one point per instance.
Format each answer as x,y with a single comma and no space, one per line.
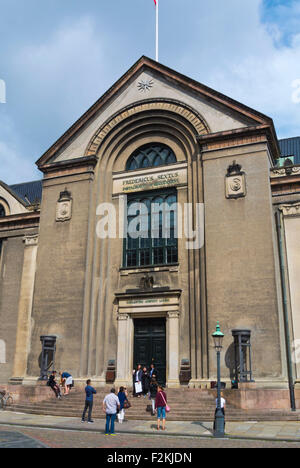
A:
90,392
111,404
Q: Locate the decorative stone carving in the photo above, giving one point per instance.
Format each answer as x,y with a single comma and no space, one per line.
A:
173,314
284,171
123,317
64,207
235,181
291,210
147,282
31,240
145,85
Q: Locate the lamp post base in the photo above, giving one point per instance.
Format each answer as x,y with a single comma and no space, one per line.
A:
219,426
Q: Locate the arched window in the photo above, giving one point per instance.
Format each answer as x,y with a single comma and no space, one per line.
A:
151,155
2,211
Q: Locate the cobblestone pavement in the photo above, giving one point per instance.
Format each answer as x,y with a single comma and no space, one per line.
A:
272,430
12,439
55,438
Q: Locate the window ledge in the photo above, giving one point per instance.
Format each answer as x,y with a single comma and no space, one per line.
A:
174,267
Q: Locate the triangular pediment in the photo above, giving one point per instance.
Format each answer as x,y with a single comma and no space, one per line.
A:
149,79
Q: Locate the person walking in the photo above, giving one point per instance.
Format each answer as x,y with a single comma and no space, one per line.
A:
145,382
111,404
153,392
160,405
54,385
89,400
122,398
137,382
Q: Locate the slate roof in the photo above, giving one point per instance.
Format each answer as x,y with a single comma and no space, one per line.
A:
290,147
31,191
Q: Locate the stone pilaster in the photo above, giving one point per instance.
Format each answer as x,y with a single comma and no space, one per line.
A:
173,349
124,353
25,308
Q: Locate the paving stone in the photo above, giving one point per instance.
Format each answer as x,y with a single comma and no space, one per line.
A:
18,440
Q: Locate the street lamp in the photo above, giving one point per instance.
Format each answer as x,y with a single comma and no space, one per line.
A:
219,416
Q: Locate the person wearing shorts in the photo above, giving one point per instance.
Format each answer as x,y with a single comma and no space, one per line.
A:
67,381
160,405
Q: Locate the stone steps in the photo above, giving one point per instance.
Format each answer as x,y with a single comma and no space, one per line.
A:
184,416
186,405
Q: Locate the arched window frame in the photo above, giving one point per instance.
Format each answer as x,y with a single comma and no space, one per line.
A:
2,210
151,155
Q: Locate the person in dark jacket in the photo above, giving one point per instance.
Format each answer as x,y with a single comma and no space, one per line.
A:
89,400
153,371
122,398
54,385
145,382
160,405
153,392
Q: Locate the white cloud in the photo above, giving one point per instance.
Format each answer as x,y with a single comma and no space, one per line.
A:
240,57
57,82
61,72
14,166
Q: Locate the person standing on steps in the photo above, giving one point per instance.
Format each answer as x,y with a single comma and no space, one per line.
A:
137,382
89,399
122,398
145,381
111,404
152,371
161,406
153,393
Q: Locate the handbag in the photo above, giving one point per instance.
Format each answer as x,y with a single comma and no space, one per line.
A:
127,404
168,409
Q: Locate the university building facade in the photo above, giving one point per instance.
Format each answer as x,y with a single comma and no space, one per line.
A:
155,138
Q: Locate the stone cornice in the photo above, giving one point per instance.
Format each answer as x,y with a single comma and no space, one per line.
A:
288,171
240,136
20,221
69,167
285,180
150,293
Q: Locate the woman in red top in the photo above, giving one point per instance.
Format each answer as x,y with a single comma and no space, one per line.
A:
160,405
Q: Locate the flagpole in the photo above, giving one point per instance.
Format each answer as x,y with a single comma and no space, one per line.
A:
157,38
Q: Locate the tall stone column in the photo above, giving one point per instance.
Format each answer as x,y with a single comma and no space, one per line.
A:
124,353
25,308
173,349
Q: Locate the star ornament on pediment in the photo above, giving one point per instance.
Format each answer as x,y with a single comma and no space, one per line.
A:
145,85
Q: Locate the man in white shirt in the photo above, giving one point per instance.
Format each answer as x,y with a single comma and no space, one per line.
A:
111,404
223,407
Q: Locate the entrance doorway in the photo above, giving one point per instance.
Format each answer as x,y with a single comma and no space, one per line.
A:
150,345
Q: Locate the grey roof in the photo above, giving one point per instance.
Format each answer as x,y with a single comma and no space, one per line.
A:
290,147
31,191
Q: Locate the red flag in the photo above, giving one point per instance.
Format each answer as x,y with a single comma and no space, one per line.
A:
155,2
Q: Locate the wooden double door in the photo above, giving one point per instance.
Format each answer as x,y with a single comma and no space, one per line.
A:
150,345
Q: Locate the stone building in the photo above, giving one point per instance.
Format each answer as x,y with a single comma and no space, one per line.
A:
154,137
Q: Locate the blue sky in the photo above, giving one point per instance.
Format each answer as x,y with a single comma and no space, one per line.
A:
57,58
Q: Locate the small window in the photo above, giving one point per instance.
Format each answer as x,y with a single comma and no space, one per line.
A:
2,211
153,155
